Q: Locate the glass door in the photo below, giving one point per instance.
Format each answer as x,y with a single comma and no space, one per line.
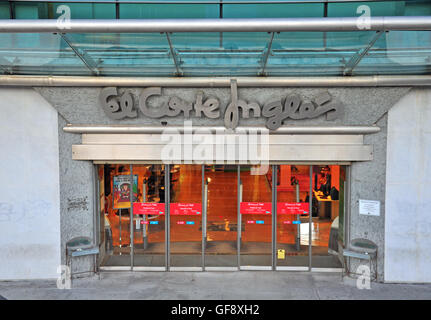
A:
149,251
329,182
185,217
221,217
292,185
255,216
115,215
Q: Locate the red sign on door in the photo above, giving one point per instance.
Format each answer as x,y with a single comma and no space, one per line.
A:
255,207
292,207
179,209
148,208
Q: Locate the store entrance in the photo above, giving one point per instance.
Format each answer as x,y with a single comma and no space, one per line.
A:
221,217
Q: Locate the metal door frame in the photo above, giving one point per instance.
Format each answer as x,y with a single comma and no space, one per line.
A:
203,267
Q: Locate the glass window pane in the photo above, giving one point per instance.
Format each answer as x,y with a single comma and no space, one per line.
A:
43,53
222,216
116,220
398,52
149,227
168,11
293,236
377,8
4,11
186,216
272,10
86,10
326,197
127,54
256,216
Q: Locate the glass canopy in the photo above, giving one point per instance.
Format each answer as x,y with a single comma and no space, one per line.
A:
214,54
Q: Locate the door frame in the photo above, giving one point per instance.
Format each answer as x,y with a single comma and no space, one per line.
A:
204,186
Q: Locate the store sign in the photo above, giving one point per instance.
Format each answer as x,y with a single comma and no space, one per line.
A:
148,208
292,207
255,208
179,209
120,106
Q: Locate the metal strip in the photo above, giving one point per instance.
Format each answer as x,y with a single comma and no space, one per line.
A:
96,214
221,269
132,234
85,58
115,268
204,214
149,269
256,268
310,218
186,269
210,82
216,25
200,2
327,270
274,216
239,226
283,268
167,216
133,129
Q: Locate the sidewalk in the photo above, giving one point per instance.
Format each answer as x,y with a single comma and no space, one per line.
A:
259,285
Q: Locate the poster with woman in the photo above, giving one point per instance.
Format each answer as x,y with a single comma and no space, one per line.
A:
121,191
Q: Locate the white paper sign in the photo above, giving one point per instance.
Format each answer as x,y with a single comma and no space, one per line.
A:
369,207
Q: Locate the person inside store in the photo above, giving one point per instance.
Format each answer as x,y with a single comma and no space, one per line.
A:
314,205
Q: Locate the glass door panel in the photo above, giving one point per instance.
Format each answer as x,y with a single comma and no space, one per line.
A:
256,218
221,235
185,216
116,217
328,181
149,216
292,230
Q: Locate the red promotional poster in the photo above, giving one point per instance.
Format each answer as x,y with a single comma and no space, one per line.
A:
179,209
148,208
292,207
255,207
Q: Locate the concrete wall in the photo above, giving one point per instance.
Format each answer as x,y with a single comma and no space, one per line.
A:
408,181
29,186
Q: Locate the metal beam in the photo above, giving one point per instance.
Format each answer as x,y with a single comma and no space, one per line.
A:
174,56
201,2
216,25
85,58
133,129
211,82
266,54
354,61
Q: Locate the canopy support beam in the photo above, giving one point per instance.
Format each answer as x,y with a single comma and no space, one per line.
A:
85,58
266,54
354,61
174,56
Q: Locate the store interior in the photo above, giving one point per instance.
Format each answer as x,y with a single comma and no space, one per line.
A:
217,232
